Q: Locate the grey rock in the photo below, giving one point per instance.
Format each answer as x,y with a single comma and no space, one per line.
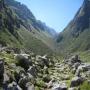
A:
50,84
19,73
74,59
30,86
23,81
87,74
76,65
46,78
23,61
86,67
43,61
61,86
6,78
83,68
33,71
76,81
13,86
12,65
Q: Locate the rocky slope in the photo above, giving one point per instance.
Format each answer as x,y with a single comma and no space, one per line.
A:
76,36
19,28
20,70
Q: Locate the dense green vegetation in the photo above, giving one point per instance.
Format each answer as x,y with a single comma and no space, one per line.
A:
85,86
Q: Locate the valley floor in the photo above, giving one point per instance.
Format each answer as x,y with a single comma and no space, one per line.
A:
28,71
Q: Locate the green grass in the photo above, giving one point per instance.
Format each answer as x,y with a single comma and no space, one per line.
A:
7,38
9,58
33,43
85,86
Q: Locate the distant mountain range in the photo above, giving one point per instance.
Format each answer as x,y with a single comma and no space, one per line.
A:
76,36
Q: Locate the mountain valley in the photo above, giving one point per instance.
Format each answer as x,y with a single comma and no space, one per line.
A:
33,56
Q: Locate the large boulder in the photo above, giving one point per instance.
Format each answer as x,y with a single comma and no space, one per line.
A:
76,81
23,61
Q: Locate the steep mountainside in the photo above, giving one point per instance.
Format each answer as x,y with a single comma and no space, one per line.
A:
26,15
76,36
20,28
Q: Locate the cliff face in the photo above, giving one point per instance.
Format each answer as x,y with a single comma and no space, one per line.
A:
76,35
81,20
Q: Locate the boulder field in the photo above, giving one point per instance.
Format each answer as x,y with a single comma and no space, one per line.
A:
28,71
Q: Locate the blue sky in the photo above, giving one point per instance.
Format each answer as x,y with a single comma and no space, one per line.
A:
55,13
